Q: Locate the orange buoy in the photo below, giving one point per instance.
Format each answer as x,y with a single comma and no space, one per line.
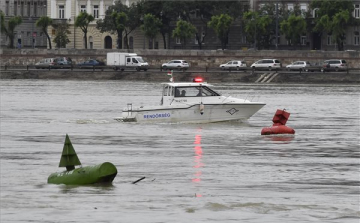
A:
279,127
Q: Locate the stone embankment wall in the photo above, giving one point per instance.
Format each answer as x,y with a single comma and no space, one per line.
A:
197,58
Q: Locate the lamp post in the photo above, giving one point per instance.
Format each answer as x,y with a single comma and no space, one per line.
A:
74,29
32,32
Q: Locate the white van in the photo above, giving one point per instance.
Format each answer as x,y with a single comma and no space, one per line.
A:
126,60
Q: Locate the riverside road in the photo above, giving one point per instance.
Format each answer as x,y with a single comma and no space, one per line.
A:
248,75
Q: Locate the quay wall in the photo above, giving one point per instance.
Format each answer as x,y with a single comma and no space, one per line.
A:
197,58
211,77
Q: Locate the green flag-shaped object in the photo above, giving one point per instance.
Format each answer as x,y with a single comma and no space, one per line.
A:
69,159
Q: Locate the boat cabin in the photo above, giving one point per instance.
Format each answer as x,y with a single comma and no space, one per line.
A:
173,91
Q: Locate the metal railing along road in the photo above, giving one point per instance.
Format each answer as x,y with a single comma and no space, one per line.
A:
157,69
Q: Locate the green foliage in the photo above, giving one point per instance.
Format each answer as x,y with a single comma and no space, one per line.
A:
259,29
151,26
9,28
334,17
221,25
120,18
293,28
83,20
183,31
61,35
43,23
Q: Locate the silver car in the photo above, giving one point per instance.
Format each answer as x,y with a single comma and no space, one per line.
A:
336,64
268,64
46,63
233,65
299,65
176,64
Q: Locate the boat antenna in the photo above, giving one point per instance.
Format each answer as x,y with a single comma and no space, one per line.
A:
69,158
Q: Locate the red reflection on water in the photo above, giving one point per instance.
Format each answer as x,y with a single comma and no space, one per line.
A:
197,158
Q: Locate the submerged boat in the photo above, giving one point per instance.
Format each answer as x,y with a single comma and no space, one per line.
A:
191,102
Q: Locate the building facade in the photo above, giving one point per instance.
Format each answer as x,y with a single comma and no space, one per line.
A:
65,11
68,10
27,35
315,41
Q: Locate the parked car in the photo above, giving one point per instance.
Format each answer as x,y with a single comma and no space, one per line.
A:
337,64
92,63
325,66
314,67
176,64
233,65
64,62
46,63
299,65
269,64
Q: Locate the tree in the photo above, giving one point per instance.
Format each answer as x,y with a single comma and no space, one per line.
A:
43,23
259,29
151,26
83,20
293,28
61,35
10,27
120,18
334,18
221,25
183,31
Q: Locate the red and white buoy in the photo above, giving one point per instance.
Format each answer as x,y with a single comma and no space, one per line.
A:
279,127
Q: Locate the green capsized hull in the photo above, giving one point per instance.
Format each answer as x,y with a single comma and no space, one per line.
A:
102,173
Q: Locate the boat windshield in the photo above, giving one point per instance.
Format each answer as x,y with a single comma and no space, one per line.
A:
194,91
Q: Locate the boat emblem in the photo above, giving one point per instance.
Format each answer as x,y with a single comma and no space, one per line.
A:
232,111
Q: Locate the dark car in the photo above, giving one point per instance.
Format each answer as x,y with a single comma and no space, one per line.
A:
63,62
325,66
92,63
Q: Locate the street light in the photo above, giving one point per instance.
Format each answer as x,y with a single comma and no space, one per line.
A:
74,29
32,31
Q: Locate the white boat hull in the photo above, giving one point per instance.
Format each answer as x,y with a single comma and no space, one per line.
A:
192,113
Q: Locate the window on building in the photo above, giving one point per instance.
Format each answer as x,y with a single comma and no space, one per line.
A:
28,9
83,8
61,11
22,8
315,13
196,40
290,7
131,42
15,8
151,43
303,9
91,42
329,40
357,11
156,45
7,8
177,41
356,38
35,9
96,11
303,40
243,39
